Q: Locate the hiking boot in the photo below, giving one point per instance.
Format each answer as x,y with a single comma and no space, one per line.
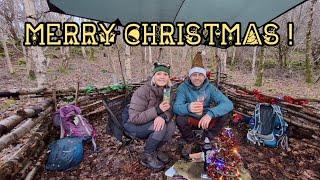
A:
151,161
185,150
189,148
163,157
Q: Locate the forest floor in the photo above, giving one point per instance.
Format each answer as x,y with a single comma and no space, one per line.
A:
302,162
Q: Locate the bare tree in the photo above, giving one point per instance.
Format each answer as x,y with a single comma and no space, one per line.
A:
223,54
233,54
259,79
7,11
150,55
143,51
84,53
309,74
213,60
183,59
145,61
170,54
6,51
36,52
254,60
127,63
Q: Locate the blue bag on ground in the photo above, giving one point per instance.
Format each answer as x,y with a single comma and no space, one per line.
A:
65,154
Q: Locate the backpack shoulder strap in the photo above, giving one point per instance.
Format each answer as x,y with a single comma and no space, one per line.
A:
257,119
87,130
283,124
62,131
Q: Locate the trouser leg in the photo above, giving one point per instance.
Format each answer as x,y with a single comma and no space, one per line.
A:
185,128
220,123
154,140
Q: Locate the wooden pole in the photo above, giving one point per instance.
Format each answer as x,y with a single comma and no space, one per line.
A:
77,93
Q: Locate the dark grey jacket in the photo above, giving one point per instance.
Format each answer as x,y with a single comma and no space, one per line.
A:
144,102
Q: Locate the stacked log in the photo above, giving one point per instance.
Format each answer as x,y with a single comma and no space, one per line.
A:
302,116
24,128
7,124
37,93
19,162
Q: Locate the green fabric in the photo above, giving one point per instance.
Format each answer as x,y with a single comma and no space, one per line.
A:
126,11
161,68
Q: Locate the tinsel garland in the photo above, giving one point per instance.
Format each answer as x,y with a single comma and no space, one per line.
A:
224,157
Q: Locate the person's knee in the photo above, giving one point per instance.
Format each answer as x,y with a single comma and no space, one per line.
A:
158,135
182,120
171,127
225,117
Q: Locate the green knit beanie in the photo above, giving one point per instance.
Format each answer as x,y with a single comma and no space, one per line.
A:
159,67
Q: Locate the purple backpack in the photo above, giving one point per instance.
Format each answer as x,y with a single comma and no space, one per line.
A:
73,124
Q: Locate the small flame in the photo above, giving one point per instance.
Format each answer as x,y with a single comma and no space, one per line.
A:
235,151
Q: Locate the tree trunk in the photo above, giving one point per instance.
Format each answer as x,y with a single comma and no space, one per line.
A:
64,57
91,54
150,55
192,54
233,55
280,54
308,64
127,63
84,53
120,64
6,52
171,58
213,60
222,54
144,60
219,64
185,50
110,60
285,57
254,60
26,58
259,79
160,55
36,51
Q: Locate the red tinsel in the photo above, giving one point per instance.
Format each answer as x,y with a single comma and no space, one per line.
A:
264,99
237,117
209,74
292,100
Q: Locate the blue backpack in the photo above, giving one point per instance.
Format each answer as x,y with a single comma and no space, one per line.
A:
267,127
65,154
